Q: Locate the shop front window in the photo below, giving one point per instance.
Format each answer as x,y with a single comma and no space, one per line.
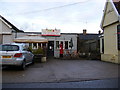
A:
40,45
30,44
34,45
66,45
57,44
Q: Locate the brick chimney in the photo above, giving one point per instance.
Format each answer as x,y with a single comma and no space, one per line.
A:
84,31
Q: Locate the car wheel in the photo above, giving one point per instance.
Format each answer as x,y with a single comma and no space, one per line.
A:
23,66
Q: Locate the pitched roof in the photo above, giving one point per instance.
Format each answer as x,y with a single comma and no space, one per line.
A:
89,36
12,26
117,5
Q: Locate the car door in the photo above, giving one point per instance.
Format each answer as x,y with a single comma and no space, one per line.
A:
29,55
25,53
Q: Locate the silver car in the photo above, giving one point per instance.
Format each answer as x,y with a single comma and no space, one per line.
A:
15,54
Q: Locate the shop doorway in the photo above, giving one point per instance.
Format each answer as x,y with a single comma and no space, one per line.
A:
50,52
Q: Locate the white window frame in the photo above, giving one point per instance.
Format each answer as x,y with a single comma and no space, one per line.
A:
36,47
63,44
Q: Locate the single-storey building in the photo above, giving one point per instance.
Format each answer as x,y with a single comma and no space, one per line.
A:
65,38
110,24
54,40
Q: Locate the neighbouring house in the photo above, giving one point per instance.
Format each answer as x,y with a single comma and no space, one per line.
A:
7,31
88,45
110,40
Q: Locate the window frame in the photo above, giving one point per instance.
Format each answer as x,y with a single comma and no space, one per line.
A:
18,48
63,44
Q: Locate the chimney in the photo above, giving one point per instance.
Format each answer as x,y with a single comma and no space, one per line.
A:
84,31
99,32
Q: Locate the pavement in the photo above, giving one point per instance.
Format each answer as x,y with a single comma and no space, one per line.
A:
56,70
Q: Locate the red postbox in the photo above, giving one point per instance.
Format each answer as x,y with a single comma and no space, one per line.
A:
61,49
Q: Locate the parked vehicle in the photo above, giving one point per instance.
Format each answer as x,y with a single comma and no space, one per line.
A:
16,55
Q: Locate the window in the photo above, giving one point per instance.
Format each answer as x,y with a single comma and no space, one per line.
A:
25,48
44,44
9,48
102,45
39,45
118,35
66,44
34,45
30,44
57,44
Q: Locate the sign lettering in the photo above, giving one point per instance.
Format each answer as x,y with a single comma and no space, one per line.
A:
50,32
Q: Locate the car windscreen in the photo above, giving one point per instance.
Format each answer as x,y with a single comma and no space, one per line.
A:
9,48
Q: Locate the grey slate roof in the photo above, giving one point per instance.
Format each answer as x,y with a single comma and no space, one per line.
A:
89,36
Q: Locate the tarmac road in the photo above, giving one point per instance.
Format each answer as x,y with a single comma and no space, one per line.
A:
61,71
106,83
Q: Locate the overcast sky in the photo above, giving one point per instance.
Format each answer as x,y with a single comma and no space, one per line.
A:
71,16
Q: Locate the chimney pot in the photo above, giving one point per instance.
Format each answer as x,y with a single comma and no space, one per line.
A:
99,32
84,31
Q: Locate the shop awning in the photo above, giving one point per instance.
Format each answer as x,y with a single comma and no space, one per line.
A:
32,38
